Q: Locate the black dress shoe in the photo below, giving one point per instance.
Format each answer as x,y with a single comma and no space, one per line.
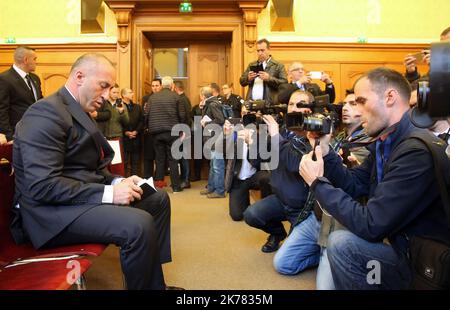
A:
174,288
272,244
185,184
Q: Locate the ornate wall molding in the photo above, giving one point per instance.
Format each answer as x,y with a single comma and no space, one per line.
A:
250,12
123,14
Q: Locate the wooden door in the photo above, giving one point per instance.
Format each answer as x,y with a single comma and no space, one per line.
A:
145,66
206,64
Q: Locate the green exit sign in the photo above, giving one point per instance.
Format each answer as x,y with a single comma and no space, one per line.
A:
185,7
10,40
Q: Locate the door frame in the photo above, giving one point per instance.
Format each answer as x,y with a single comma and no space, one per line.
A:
235,63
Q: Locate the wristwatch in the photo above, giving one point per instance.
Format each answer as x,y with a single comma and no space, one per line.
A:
317,180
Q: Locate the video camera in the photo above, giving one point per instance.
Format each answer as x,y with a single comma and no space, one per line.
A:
323,118
433,97
265,108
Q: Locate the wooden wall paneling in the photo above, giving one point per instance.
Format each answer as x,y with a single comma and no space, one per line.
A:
55,60
345,62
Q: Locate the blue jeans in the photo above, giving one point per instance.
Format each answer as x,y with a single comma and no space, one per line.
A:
324,277
300,250
363,265
216,178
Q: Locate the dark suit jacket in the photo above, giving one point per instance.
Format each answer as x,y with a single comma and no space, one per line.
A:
60,173
136,122
286,91
15,98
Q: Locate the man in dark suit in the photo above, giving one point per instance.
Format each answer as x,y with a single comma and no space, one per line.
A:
269,75
149,144
64,192
19,88
302,81
132,132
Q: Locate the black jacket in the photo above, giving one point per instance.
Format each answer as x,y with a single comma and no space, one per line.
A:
165,111
15,99
136,122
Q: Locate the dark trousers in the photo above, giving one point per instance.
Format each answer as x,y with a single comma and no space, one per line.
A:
268,214
240,196
142,233
163,144
132,163
149,156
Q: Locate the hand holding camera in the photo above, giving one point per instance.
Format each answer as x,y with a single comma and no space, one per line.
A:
309,168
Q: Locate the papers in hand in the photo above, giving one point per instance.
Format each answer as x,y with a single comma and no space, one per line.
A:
206,119
148,188
115,145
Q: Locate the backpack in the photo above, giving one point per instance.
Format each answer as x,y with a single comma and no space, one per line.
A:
430,258
227,111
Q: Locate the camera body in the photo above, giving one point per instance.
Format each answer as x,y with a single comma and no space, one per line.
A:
265,108
323,118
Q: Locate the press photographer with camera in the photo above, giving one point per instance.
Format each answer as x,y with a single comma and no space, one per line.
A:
399,179
306,244
301,80
243,173
289,189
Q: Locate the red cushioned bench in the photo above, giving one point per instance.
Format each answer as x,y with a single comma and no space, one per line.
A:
11,253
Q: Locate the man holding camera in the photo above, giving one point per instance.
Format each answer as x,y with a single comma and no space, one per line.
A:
302,81
264,76
289,190
399,206
241,172
302,249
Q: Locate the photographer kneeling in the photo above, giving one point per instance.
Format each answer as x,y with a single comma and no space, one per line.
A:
290,191
243,173
399,179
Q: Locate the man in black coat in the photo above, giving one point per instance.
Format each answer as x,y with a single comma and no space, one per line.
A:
64,192
19,88
132,133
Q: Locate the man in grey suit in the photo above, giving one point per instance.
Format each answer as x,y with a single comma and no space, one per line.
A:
64,192
264,76
19,88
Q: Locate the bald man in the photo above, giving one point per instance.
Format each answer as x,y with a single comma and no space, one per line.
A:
65,194
19,88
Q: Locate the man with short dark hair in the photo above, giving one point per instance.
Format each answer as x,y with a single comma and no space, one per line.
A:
270,74
64,192
289,190
149,144
184,162
132,133
19,88
399,179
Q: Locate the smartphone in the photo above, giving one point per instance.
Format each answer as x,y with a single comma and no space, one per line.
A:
257,68
418,56
315,75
